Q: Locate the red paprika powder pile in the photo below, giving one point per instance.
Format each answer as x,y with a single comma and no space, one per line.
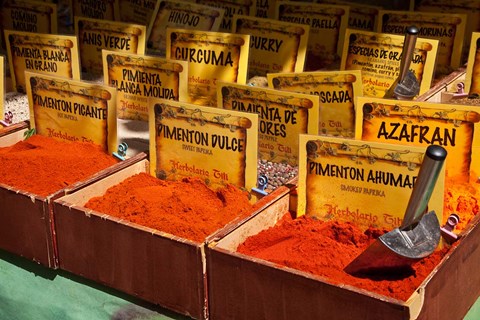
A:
42,165
461,199
186,208
326,248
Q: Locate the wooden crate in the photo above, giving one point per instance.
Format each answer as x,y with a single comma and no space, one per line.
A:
244,287
26,219
150,264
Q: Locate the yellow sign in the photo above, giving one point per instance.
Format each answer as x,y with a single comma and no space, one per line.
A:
94,35
472,76
218,146
98,9
265,9
327,28
336,91
421,124
28,16
180,15
42,53
138,77
366,183
469,7
447,28
137,11
378,56
232,7
282,117
275,46
362,16
72,110
211,56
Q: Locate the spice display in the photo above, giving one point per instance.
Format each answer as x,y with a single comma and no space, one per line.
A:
187,208
461,199
43,165
325,248
277,174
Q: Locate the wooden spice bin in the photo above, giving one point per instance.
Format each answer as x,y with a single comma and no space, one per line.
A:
150,264
446,85
244,287
26,219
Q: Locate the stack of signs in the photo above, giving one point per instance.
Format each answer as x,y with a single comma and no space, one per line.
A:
447,28
283,116
336,90
275,46
72,110
472,76
95,34
411,123
366,183
41,53
217,146
211,57
98,9
138,77
179,15
378,56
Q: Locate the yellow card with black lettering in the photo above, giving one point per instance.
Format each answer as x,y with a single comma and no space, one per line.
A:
218,146
282,117
138,77
137,11
211,56
180,15
232,7
96,9
362,16
94,35
447,28
367,183
378,56
265,9
327,28
275,46
472,75
56,55
72,110
336,91
28,16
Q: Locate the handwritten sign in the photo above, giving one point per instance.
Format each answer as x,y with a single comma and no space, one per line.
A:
94,35
218,146
448,29
327,27
282,117
211,56
275,46
28,16
72,110
139,77
469,7
361,17
42,53
180,15
378,56
336,91
231,7
472,75
98,9
137,11
421,124
366,183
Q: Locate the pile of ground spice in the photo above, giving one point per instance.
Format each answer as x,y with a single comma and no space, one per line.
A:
461,199
42,165
326,248
187,208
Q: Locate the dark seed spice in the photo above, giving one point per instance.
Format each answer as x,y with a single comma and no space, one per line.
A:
278,174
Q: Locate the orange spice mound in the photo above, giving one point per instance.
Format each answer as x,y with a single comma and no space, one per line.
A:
462,199
42,165
326,248
186,208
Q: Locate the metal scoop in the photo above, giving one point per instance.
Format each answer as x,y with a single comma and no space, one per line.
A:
419,234
406,86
